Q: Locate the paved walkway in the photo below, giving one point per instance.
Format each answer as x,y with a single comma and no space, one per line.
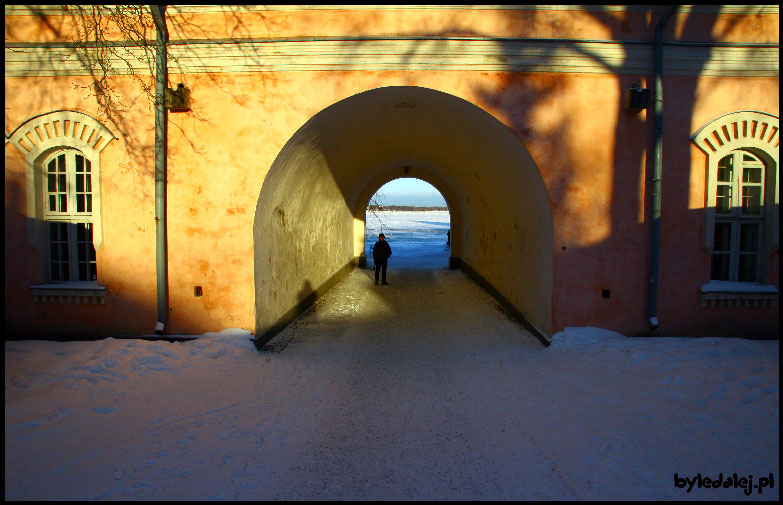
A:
421,395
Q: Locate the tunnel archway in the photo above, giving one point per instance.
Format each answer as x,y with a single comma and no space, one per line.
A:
413,215
309,222
417,172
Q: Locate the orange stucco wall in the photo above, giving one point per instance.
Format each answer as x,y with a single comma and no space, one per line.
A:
594,158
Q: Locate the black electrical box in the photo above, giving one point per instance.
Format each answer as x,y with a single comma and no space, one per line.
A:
637,99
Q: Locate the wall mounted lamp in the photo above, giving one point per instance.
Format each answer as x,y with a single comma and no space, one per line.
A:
178,100
636,98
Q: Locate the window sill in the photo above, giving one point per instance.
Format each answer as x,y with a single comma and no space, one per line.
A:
70,292
738,294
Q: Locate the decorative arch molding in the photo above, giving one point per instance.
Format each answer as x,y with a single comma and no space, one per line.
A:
758,133
39,136
59,129
736,130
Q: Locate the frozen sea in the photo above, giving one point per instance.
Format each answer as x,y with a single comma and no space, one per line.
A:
417,238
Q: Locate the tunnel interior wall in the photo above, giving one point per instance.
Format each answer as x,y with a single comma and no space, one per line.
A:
508,231
303,234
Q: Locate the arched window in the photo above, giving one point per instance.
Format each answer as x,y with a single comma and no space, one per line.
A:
741,207
739,218
62,164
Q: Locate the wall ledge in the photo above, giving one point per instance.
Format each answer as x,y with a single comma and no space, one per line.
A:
70,292
738,294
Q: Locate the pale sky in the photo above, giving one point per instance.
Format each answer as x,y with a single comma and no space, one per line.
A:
409,191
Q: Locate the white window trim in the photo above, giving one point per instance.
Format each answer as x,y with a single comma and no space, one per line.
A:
731,132
758,133
737,218
40,136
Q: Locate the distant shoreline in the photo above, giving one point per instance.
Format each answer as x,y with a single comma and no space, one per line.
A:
403,208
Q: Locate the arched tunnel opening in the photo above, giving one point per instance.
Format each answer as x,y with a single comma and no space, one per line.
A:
309,227
415,221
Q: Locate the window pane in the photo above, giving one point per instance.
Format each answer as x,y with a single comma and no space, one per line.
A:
52,183
63,203
722,240
749,237
52,166
751,174
61,187
88,165
52,203
720,267
80,183
751,200
88,179
86,252
726,168
79,163
58,251
747,268
89,203
723,200
61,163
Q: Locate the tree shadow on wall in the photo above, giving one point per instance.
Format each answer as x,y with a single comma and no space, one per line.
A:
519,99
621,153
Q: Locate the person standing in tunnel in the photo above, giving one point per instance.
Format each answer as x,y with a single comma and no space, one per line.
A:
380,255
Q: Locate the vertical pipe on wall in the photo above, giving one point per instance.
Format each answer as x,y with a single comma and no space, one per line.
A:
161,78
655,246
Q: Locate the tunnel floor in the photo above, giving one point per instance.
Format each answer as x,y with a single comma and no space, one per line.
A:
419,391
426,304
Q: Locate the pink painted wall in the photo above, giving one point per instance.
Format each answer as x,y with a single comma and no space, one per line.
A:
594,157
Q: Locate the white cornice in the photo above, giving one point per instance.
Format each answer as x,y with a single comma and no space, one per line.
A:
486,55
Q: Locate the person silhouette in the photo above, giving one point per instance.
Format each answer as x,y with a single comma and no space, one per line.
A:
380,255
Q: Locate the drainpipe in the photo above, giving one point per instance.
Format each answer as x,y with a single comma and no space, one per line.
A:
652,304
161,78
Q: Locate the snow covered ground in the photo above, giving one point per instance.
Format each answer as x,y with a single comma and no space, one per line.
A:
419,390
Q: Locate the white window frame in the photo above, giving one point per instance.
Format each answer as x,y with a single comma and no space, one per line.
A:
66,184
757,133
38,138
736,218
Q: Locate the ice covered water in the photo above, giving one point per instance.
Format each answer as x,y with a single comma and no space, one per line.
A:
417,238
